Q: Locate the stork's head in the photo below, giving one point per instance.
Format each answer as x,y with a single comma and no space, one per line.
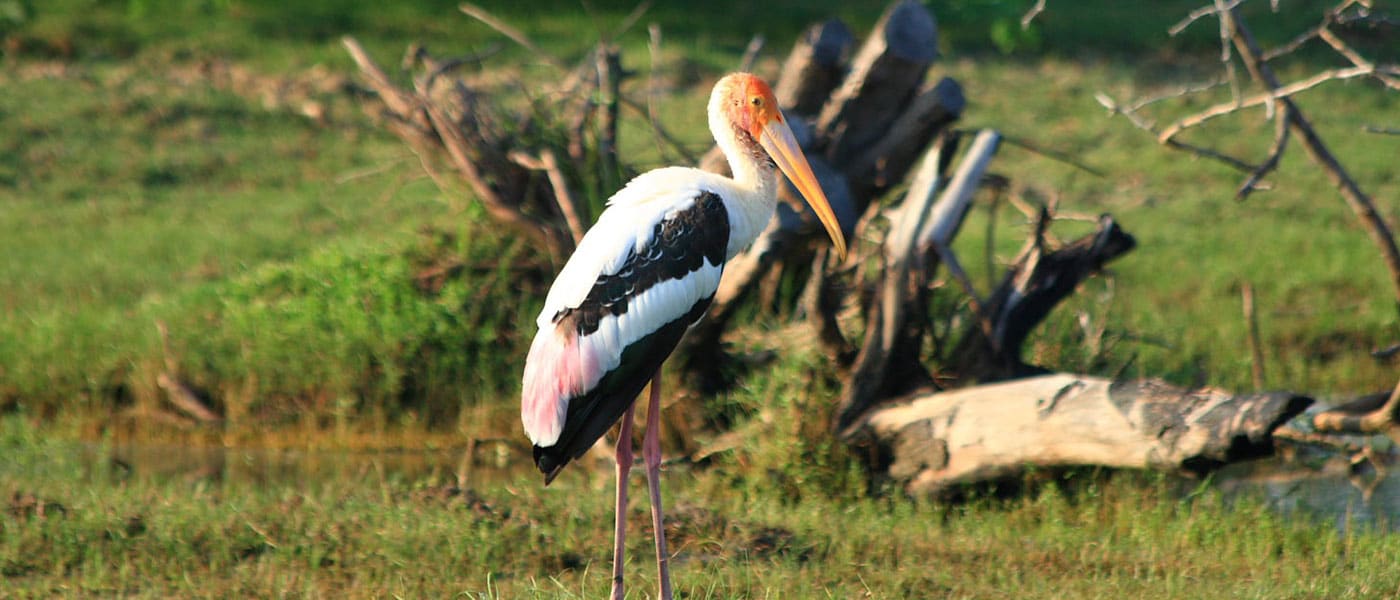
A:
747,103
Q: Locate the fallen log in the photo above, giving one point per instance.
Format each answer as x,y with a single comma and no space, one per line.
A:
935,444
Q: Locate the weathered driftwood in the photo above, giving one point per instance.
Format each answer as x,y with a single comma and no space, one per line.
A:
937,443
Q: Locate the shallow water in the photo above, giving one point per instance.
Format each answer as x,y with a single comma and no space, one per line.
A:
1364,491
488,464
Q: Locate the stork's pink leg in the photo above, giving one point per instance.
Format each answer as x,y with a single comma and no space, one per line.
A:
624,464
651,455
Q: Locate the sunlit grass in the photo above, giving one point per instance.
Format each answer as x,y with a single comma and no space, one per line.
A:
78,525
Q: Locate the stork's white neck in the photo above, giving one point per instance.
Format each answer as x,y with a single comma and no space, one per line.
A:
755,182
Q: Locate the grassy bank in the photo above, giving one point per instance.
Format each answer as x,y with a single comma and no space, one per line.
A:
87,527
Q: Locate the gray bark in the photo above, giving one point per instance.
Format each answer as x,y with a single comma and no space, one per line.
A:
934,444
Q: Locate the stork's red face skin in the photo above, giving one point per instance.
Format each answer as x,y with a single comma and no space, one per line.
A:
753,106
754,109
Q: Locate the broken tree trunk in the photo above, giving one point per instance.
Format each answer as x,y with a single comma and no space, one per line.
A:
901,293
814,67
886,71
936,443
990,349
884,164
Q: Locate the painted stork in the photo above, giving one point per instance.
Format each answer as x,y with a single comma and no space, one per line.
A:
640,277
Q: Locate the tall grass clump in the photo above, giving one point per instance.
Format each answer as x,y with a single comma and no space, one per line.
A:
407,330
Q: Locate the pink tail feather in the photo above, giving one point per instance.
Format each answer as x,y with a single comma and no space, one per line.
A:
558,368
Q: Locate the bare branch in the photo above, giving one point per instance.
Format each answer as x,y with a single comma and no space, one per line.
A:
1114,108
660,131
1382,420
1054,155
1225,55
1142,123
1175,93
517,36
1275,154
654,58
438,68
568,205
974,302
1293,44
457,147
1356,199
398,101
1381,130
1256,347
1277,93
1198,14
1032,14
1383,73
631,19
609,65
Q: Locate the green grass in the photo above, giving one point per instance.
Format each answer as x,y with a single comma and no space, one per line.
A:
361,532
157,164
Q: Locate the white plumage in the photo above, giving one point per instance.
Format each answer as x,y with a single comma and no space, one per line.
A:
631,218
624,299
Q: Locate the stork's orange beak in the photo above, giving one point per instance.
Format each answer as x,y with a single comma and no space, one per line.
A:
777,139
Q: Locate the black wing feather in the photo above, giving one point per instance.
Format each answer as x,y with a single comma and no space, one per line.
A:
680,245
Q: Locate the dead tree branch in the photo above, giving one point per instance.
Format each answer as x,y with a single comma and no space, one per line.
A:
1267,98
1385,419
1290,121
426,126
1359,202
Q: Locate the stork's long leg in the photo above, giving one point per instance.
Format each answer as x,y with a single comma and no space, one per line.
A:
651,455
624,465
